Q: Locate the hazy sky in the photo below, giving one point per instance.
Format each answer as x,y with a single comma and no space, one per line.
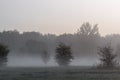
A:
59,16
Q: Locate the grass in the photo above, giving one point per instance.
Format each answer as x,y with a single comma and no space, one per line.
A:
59,73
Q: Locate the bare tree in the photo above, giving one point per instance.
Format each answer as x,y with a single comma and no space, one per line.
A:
107,57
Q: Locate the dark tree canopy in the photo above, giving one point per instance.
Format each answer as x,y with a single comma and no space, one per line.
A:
3,54
107,58
64,54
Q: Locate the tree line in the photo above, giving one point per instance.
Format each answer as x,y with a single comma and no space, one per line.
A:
84,42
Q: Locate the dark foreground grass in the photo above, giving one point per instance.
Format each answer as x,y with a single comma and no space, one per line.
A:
59,73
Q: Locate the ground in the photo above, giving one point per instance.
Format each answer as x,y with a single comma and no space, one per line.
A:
59,73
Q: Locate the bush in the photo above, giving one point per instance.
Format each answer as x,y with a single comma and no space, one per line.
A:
3,54
107,58
64,54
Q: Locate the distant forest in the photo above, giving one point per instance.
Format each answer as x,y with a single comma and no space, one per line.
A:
84,42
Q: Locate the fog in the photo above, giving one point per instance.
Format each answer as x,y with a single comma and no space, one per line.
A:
30,61
15,61
35,49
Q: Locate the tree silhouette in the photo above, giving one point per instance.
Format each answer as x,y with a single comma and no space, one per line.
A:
3,55
64,54
87,35
107,58
88,30
45,56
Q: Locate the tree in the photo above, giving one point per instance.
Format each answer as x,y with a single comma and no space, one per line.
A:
37,48
3,54
107,58
64,54
45,56
33,47
88,30
88,35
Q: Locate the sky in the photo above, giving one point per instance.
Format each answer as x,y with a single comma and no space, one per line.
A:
59,16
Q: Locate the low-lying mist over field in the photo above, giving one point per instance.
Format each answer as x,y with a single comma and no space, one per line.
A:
28,61
35,61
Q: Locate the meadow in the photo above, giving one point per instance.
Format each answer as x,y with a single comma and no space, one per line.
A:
58,73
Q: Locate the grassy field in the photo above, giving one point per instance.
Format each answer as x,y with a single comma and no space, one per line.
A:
59,73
